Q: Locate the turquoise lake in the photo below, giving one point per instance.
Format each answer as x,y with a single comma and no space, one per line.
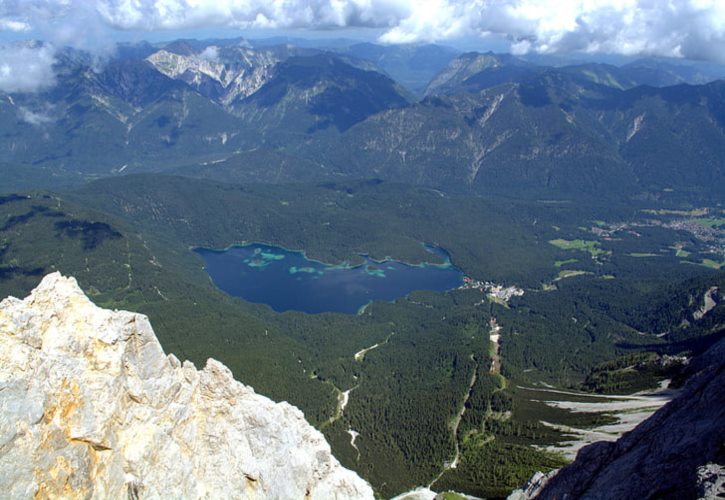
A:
286,280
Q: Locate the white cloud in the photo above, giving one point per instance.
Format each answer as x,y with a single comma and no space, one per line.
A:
34,118
13,25
314,14
673,28
211,53
680,28
62,22
26,68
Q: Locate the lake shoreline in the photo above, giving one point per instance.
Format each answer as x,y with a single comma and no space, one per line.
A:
287,279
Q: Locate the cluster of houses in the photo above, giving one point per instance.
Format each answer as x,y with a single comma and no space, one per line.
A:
492,290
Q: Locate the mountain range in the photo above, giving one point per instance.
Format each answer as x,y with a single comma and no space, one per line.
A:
486,123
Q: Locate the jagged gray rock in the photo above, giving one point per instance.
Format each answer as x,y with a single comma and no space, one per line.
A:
90,406
710,482
236,78
660,457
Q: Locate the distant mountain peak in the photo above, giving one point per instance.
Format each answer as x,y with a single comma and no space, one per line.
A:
325,88
466,66
220,73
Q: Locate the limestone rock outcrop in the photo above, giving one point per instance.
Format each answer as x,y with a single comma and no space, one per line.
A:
90,406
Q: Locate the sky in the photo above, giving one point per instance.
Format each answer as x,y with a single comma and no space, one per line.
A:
693,29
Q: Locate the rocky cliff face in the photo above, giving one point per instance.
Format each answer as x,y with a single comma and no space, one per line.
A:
222,74
90,406
673,454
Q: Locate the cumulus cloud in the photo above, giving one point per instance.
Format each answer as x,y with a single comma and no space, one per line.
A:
75,23
313,14
672,28
676,28
26,68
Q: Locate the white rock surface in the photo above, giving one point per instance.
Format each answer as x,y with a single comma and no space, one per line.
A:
239,78
421,493
710,482
533,486
90,406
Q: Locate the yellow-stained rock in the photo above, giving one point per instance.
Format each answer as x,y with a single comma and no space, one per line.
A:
91,407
